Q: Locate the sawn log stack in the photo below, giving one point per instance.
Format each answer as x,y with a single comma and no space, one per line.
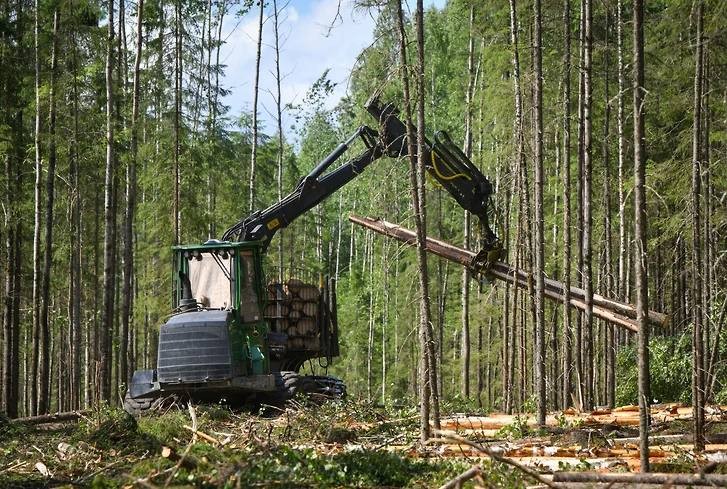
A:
620,313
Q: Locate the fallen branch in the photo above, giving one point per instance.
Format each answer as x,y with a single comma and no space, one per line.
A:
449,437
462,478
193,415
82,480
202,435
638,478
52,418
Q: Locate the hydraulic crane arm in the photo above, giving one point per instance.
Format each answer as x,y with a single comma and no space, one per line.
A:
310,191
447,164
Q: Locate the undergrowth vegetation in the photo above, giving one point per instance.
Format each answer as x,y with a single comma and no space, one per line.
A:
670,367
331,445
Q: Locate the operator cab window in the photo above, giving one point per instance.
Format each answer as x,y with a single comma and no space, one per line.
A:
209,276
249,305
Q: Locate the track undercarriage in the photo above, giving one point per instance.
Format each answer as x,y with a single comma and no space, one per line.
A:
286,386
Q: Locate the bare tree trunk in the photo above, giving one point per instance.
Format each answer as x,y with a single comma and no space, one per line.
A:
109,281
421,202
44,372
128,254
176,210
579,356
416,193
466,348
622,247
518,164
10,379
640,234
697,291
539,219
609,345
587,222
10,350
35,378
279,108
255,92
567,325
76,280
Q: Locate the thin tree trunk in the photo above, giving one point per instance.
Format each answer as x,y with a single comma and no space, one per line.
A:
35,379
176,208
609,344
76,247
109,282
11,320
11,294
587,220
518,164
698,315
640,234
44,372
567,325
279,109
424,382
466,225
128,254
539,219
255,93
426,322
622,247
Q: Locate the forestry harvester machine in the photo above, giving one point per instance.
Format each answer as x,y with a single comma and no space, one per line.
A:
225,341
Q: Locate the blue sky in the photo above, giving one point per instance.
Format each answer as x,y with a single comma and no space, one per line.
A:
307,49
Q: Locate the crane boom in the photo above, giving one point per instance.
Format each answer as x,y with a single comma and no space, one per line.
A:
310,191
444,161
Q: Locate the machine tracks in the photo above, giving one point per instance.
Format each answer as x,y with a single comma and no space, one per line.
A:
316,387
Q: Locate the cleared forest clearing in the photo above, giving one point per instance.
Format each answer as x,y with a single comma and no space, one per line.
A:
344,444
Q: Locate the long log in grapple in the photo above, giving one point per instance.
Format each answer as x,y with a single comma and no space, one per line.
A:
220,344
619,313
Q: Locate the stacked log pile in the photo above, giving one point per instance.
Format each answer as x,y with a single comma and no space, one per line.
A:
293,309
619,313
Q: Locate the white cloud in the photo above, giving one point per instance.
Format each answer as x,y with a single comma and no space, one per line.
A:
314,39
309,46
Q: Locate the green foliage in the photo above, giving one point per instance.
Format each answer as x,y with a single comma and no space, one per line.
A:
287,467
670,368
670,364
517,429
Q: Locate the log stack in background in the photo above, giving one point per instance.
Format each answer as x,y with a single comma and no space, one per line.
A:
293,309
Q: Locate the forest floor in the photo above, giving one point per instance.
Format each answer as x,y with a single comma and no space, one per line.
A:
347,444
